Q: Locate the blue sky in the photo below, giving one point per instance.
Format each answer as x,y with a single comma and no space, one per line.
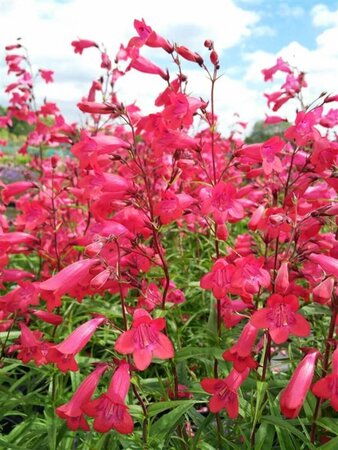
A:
249,35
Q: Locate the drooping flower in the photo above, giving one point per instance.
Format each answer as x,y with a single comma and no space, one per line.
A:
63,354
327,387
322,293
225,392
30,346
240,353
65,280
327,263
293,396
72,411
281,319
144,340
110,410
146,66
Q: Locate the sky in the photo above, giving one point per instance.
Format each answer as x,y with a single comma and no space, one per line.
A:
249,35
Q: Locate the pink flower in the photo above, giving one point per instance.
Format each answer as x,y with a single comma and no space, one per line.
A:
293,396
12,189
223,203
72,410
81,44
109,410
146,66
327,387
189,55
250,275
281,319
282,278
63,354
96,108
172,206
69,277
240,353
322,293
225,392
150,38
47,75
219,279
30,346
144,340
327,263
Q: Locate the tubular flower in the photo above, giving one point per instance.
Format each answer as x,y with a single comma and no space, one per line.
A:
293,396
81,44
109,410
281,319
240,353
145,340
63,354
327,387
225,392
327,263
72,410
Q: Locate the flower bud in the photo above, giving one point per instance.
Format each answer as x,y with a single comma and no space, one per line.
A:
214,58
209,44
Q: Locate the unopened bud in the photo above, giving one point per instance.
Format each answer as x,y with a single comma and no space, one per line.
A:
209,44
214,58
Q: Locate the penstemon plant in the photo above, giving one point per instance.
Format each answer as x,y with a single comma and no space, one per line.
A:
164,287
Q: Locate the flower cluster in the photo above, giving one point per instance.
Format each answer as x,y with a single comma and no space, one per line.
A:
97,220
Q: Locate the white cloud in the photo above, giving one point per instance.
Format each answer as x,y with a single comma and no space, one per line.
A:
320,64
323,17
47,28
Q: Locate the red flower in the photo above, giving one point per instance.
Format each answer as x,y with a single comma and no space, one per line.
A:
293,396
96,108
81,44
63,354
68,278
72,410
223,203
327,387
146,66
218,280
47,75
225,392
240,353
30,346
281,319
322,293
250,275
109,409
144,340
327,263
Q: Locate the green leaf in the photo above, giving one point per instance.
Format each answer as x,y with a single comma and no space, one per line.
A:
286,425
328,424
159,407
197,352
163,428
264,437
